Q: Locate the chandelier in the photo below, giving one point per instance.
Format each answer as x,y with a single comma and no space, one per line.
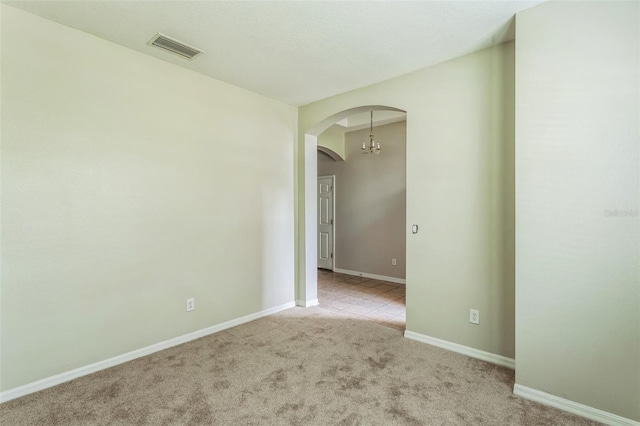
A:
373,147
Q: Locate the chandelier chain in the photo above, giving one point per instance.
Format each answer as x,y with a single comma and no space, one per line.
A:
371,125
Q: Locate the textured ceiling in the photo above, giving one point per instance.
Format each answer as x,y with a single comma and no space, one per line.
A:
296,52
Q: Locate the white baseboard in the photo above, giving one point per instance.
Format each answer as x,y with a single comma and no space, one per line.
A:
372,276
572,407
308,304
465,350
119,359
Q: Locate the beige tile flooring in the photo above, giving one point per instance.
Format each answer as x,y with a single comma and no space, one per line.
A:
364,298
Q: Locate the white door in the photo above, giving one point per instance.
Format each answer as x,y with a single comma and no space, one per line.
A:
325,222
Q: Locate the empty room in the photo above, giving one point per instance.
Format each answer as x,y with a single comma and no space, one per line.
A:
317,212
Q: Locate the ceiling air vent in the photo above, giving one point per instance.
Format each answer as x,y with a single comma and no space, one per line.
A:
174,46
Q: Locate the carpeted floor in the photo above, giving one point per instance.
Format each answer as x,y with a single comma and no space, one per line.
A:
300,367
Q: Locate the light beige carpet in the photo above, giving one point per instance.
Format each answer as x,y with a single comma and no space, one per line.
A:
300,367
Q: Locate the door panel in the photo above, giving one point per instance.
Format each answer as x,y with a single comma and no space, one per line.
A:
325,222
324,216
325,239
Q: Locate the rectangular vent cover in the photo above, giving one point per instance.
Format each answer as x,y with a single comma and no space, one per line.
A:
174,46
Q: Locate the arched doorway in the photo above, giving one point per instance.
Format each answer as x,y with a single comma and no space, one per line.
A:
306,291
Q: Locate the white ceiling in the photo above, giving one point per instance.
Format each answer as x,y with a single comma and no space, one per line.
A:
296,51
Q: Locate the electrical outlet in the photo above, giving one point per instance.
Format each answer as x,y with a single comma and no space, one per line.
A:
394,262
474,316
191,304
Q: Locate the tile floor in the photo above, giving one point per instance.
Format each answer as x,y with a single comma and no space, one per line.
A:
379,301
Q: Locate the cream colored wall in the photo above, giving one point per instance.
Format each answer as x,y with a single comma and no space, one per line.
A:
333,139
460,191
129,185
370,202
578,162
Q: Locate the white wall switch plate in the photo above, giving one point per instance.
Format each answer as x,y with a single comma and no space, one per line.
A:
394,262
191,304
474,316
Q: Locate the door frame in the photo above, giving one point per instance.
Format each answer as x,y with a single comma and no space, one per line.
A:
333,203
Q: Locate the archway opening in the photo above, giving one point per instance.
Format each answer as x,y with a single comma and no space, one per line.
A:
308,287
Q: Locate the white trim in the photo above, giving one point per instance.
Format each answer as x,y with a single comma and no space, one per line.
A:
373,276
465,350
308,304
572,407
119,359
